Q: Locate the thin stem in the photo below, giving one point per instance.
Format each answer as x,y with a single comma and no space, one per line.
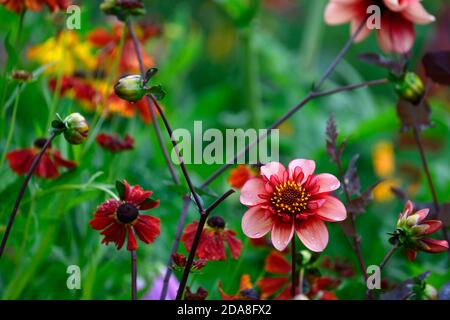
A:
196,197
19,28
201,224
22,191
339,57
426,169
176,242
293,265
301,280
355,237
310,96
150,107
11,126
388,256
133,275
191,256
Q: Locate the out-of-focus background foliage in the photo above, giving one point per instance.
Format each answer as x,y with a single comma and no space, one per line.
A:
230,65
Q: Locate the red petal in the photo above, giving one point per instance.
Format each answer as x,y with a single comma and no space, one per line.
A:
276,263
114,233
46,168
101,222
271,285
107,208
20,160
59,161
132,244
147,228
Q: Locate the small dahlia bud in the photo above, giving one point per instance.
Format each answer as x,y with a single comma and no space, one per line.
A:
77,129
123,8
130,88
410,87
179,260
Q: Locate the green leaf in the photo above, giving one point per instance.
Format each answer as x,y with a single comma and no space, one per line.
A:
12,55
120,187
158,92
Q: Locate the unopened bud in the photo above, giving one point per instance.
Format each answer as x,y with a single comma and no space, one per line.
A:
77,128
410,87
130,88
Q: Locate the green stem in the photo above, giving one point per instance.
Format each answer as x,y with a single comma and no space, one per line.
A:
251,74
11,126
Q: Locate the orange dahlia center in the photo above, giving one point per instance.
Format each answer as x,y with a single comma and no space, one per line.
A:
289,198
127,213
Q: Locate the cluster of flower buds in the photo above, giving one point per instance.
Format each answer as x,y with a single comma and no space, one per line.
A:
74,127
123,8
412,231
409,86
179,262
133,87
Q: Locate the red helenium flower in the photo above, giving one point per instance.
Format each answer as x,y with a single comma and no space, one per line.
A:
35,5
113,143
119,218
294,200
279,285
212,241
20,161
396,33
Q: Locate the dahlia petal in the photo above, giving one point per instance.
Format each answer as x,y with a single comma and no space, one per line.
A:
100,223
234,243
338,13
327,182
432,226
396,5
332,210
364,33
408,209
256,222
250,191
275,169
282,234
433,245
415,12
422,214
396,33
307,166
410,254
276,263
132,243
313,233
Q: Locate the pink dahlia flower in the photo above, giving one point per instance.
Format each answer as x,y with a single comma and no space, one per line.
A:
284,201
397,20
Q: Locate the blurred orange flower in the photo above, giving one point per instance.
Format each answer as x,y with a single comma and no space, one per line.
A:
35,5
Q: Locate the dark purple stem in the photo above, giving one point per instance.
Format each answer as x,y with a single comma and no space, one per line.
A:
201,224
23,189
133,275
150,107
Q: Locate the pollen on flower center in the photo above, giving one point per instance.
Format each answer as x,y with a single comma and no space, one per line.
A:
127,213
289,198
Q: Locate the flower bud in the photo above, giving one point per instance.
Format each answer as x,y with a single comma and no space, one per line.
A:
122,8
21,76
410,87
130,88
77,128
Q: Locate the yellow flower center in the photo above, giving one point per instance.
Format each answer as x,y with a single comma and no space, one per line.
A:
289,198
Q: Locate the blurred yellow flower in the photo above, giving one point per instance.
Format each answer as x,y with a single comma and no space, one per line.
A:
65,53
382,192
383,159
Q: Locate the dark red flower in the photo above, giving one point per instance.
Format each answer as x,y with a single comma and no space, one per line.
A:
117,218
113,143
278,286
212,241
179,261
340,266
321,286
201,294
20,161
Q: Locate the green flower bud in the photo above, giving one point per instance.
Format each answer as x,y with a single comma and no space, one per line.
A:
77,128
130,88
123,8
410,87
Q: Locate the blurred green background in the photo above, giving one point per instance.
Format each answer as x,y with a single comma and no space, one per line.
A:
230,65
